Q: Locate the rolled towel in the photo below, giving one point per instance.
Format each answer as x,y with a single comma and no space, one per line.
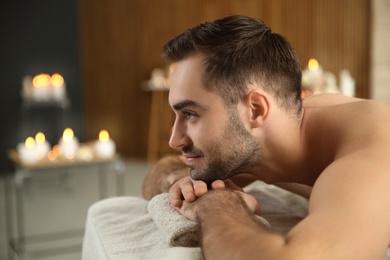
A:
177,229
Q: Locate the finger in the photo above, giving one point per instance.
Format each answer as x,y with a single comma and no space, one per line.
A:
175,193
218,184
200,188
188,192
251,202
174,196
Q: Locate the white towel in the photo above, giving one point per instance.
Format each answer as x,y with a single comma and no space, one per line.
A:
121,228
177,229
126,227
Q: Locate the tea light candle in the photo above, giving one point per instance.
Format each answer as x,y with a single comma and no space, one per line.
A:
42,146
69,144
313,75
27,152
41,83
57,86
105,147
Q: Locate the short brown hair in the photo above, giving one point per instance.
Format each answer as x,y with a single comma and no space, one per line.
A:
238,51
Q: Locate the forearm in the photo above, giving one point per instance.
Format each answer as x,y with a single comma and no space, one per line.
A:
229,230
162,175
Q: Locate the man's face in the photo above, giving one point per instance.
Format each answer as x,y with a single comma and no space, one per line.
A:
212,137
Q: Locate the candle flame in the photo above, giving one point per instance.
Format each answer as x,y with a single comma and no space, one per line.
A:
104,136
41,80
313,64
40,138
30,142
57,80
67,136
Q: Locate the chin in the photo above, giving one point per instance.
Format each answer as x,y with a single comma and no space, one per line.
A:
196,175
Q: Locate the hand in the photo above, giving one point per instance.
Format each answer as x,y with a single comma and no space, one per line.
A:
221,199
189,190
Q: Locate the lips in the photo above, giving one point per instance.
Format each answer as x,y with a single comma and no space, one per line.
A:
191,157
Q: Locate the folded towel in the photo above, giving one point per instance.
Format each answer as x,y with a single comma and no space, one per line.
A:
177,229
122,228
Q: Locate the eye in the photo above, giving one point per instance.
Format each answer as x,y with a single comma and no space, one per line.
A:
189,115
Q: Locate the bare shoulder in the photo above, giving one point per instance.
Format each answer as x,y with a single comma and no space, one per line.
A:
349,203
331,100
321,100
347,121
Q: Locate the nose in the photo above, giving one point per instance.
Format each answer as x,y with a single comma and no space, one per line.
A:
178,138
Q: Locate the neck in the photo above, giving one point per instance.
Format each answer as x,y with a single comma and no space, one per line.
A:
283,150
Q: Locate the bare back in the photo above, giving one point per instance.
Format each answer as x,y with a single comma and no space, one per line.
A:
340,126
349,145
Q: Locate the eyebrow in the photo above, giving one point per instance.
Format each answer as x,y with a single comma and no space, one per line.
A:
185,104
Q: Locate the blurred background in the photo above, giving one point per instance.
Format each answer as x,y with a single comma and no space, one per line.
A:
106,50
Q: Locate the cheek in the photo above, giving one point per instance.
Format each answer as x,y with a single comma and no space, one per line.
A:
202,134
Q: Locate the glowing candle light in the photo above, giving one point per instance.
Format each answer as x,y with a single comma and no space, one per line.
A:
57,80
41,85
69,144
27,151
58,86
30,142
105,146
42,146
41,80
313,76
313,65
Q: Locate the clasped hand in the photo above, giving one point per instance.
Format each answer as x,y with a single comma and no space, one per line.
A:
185,194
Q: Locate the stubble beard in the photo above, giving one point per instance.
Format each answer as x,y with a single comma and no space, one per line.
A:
232,153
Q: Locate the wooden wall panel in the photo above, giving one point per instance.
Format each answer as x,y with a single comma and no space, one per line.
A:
122,41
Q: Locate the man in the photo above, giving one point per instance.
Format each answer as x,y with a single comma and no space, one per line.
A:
236,93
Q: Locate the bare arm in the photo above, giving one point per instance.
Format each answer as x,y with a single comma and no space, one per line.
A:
348,218
229,230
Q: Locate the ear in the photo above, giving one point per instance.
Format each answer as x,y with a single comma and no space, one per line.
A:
259,105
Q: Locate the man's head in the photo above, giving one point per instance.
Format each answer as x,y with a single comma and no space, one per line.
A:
240,51
225,72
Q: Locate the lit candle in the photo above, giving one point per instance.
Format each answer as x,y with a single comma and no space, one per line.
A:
27,152
69,144
105,146
42,146
312,76
41,85
57,86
